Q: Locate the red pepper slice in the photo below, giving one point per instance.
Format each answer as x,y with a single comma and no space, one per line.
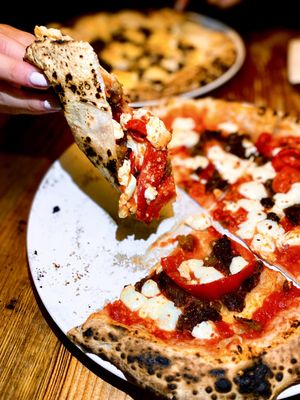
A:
286,158
137,126
264,144
209,291
284,179
154,173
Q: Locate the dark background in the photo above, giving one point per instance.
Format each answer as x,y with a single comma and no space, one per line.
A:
249,15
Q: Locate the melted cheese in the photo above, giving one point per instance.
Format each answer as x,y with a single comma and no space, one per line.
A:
269,233
204,330
254,215
198,222
253,190
131,298
263,172
118,131
237,264
191,162
202,274
157,134
150,194
292,197
150,288
250,149
183,133
162,311
151,304
124,173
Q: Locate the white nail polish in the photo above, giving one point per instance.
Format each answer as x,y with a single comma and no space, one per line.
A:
49,106
38,79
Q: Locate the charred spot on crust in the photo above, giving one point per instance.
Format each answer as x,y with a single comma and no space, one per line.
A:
108,153
279,376
54,75
255,380
223,385
60,41
149,360
87,333
90,152
218,372
58,88
112,166
68,77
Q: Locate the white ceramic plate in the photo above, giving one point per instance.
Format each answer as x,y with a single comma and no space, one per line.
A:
80,254
240,57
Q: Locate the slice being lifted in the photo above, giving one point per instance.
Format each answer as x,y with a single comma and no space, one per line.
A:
128,146
209,320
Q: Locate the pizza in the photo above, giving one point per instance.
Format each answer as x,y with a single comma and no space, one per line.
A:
156,53
128,146
217,316
242,163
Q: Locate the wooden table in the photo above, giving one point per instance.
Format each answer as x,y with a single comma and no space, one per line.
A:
36,361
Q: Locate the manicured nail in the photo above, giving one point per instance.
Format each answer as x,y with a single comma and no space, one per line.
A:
38,79
51,106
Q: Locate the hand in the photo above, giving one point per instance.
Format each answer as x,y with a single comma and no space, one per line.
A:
23,88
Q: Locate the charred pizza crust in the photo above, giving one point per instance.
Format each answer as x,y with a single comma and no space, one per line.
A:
81,90
158,53
236,370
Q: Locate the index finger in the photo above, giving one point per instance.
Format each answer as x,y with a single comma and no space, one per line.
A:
25,38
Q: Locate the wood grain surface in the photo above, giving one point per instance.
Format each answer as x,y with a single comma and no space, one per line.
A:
36,361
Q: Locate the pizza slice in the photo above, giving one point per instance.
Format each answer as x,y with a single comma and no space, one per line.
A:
254,154
128,146
210,320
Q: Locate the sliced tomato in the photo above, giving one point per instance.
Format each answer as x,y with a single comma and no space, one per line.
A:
228,219
154,173
285,178
290,259
286,158
264,144
210,291
137,127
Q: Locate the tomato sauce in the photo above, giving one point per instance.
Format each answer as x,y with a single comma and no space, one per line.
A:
273,304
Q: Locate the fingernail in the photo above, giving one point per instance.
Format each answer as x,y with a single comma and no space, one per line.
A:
51,106
38,79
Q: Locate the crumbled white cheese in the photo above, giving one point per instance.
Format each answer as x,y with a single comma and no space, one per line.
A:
198,222
191,162
162,311
183,138
124,119
204,330
292,197
202,274
230,167
131,298
253,190
237,264
118,131
263,244
228,127
183,133
255,214
250,149
150,194
291,238
231,206
130,187
124,173
150,288
263,172
183,124
157,134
